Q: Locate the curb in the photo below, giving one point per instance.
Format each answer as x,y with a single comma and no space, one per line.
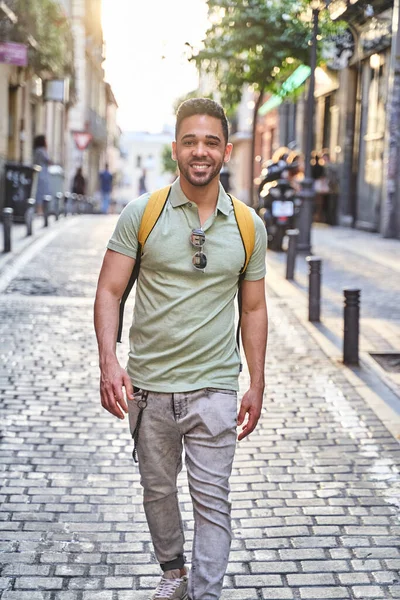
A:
11,262
21,243
369,379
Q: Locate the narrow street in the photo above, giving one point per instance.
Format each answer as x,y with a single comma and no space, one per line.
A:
315,489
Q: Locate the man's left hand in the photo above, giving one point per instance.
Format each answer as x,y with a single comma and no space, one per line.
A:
250,405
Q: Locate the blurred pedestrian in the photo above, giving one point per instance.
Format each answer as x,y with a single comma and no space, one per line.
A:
183,362
41,158
142,183
79,183
295,171
321,188
106,183
331,173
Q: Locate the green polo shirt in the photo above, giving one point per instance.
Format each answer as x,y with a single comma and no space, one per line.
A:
183,334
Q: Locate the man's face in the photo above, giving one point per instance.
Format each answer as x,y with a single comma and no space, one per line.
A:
200,149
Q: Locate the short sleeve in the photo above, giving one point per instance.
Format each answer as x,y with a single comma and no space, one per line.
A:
125,236
256,268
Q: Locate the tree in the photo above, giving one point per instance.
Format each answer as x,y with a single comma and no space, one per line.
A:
44,25
254,42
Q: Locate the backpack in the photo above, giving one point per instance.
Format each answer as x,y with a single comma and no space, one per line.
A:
152,212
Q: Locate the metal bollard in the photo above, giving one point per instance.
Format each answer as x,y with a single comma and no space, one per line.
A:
46,209
291,252
57,202
314,288
29,214
67,207
351,326
74,208
7,224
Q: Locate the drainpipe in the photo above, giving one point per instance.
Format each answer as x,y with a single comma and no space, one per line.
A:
390,217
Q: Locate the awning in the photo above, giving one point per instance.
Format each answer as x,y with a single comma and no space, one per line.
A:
294,81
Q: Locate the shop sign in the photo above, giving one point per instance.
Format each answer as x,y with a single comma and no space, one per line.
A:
376,36
338,50
13,54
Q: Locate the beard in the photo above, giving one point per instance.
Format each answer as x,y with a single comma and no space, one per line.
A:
199,179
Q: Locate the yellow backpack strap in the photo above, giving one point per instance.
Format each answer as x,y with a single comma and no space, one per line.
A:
247,230
153,210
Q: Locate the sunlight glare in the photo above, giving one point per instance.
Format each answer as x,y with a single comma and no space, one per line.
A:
146,62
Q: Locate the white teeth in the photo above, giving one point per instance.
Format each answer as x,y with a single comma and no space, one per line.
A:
199,166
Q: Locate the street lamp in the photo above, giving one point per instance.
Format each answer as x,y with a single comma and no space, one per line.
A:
307,192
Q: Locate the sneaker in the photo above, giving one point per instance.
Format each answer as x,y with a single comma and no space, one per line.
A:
171,587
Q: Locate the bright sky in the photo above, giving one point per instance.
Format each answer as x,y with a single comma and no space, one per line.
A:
145,57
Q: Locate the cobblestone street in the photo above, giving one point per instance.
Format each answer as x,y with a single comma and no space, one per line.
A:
315,489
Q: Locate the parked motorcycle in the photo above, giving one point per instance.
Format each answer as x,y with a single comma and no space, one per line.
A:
279,203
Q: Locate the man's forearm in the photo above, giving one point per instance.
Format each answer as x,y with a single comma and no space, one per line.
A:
106,313
254,332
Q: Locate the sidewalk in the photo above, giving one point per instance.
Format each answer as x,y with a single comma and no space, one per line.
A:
356,259
19,239
315,488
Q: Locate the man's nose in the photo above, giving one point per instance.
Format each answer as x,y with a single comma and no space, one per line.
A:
200,149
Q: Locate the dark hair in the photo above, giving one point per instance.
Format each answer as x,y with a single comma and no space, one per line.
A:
39,142
201,106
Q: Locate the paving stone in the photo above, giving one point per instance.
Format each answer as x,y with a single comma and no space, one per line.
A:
366,565
34,583
372,591
283,566
394,591
324,592
258,580
302,579
385,577
21,595
271,594
353,578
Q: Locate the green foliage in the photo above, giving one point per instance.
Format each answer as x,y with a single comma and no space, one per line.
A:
168,164
256,42
46,22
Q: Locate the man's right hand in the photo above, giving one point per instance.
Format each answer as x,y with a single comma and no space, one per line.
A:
113,379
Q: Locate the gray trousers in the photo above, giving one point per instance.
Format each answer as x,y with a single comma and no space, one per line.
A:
204,424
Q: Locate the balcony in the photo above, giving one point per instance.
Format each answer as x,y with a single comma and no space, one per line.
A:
96,125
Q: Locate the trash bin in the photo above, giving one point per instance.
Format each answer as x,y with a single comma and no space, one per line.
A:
56,185
19,185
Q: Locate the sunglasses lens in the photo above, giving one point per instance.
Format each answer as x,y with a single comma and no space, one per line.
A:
198,237
199,260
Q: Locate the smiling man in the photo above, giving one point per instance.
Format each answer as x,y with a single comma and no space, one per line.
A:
181,379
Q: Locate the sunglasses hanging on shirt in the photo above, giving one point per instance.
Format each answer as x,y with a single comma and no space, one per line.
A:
198,239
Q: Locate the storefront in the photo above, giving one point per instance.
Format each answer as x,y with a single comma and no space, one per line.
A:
361,99
373,74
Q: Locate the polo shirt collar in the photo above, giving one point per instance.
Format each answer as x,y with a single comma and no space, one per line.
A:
178,198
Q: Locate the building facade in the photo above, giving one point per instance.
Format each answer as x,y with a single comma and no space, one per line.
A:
88,114
357,111
142,164
58,91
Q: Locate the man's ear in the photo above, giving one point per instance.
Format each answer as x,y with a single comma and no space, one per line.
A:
228,152
173,151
